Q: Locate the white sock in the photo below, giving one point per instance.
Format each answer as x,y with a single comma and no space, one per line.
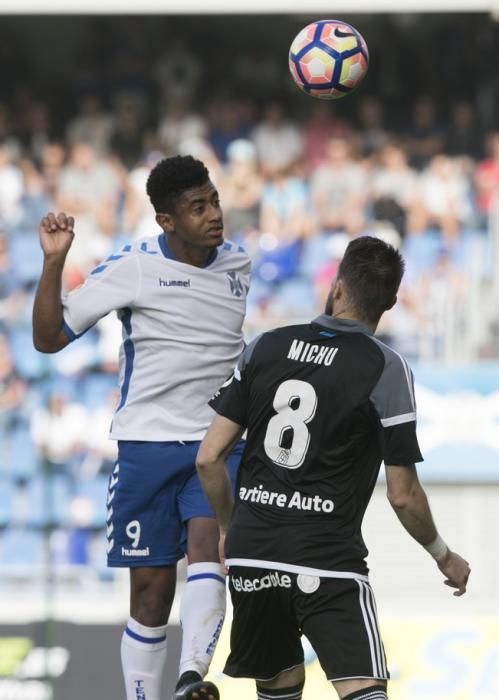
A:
202,613
143,656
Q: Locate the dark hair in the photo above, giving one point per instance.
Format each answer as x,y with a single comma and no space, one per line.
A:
371,271
171,177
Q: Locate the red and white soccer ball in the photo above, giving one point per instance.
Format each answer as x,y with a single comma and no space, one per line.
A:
328,59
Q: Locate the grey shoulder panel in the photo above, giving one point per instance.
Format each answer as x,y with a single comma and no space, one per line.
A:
247,353
393,395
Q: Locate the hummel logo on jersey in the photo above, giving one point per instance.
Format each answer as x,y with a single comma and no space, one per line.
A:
135,552
174,283
236,286
273,580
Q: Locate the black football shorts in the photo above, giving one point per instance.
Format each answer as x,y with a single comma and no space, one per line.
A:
272,609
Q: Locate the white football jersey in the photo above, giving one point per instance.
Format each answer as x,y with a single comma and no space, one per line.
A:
182,333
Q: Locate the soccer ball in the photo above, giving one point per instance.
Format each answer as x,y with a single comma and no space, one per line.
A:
328,59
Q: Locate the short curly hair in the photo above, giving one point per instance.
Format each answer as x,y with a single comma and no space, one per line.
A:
171,177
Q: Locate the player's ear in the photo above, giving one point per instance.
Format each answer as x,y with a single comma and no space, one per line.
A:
165,221
329,303
338,289
335,293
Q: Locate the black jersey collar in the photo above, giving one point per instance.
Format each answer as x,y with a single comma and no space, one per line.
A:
343,325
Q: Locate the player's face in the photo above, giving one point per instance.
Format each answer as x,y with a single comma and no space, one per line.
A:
197,220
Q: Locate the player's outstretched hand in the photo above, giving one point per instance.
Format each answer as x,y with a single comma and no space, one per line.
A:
457,571
56,234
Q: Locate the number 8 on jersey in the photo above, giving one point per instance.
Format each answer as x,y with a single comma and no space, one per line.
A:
295,402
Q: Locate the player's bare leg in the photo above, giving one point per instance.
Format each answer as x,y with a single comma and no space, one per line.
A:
360,689
143,645
152,590
288,684
202,610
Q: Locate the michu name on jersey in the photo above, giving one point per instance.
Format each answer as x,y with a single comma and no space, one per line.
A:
309,352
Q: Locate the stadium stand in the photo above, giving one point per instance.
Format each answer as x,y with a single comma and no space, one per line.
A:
429,186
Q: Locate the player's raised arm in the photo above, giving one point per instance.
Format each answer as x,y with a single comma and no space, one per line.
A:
56,237
408,499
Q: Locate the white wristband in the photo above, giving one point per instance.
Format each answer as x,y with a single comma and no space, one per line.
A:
437,548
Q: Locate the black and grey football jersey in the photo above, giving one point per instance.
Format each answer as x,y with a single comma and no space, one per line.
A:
324,403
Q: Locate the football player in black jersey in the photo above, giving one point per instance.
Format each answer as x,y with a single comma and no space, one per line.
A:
323,404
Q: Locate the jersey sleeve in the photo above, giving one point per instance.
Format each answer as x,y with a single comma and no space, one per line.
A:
246,273
231,400
112,285
395,405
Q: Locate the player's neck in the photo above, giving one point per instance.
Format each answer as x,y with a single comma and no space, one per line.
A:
350,315
187,254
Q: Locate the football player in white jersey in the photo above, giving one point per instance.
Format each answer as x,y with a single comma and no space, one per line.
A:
181,297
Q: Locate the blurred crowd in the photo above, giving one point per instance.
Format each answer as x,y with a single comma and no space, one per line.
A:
294,192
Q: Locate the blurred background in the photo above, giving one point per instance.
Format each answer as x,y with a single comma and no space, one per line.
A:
88,104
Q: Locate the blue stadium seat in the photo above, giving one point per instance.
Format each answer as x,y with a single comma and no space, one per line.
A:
30,363
67,386
70,547
4,451
474,249
94,490
99,557
96,388
47,501
22,459
7,493
21,550
76,357
26,255
294,297
421,252
34,207
315,254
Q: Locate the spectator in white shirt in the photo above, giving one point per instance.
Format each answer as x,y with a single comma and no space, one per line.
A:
278,141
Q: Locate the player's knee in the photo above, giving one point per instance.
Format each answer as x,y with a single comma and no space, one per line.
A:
373,692
202,540
294,692
288,684
150,609
151,599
